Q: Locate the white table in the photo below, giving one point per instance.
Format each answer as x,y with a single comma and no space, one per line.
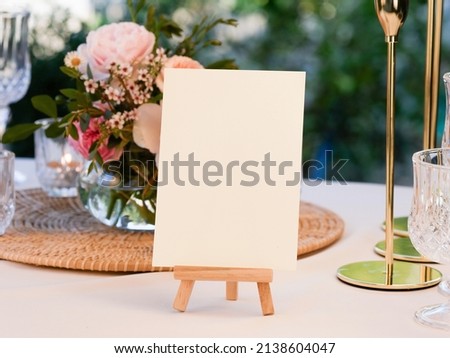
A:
310,302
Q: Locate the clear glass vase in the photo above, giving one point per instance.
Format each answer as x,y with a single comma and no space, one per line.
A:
118,200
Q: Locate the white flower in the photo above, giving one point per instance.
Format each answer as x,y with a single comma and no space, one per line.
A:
116,121
72,60
90,86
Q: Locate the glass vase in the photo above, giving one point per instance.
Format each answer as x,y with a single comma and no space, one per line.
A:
118,196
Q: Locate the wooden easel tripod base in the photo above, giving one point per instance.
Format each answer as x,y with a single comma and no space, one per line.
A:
189,274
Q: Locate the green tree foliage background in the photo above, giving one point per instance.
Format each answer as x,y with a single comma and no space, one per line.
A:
339,43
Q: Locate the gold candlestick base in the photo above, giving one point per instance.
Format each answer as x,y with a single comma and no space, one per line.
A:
405,276
403,250
403,247
400,226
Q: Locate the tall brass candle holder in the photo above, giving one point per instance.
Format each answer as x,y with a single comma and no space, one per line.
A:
403,248
432,80
385,274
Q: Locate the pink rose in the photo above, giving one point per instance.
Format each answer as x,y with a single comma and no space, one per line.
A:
121,43
90,136
176,62
147,127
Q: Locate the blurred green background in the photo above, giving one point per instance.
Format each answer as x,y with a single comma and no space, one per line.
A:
339,43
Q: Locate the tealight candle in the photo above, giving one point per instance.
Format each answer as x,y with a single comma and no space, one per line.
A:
57,163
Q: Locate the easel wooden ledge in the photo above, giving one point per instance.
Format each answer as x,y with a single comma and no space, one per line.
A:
189,274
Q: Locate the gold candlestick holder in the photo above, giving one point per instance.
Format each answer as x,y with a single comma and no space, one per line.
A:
433,58
403,248
385,274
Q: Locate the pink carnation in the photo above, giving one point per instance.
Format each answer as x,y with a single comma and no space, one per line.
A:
120,43
176,62
90,136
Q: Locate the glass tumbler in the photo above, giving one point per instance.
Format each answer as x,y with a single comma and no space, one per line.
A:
7,194
429,223
58,165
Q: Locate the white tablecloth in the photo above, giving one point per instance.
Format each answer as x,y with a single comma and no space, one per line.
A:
310,302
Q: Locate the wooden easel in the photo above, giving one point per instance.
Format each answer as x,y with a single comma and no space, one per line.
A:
189,274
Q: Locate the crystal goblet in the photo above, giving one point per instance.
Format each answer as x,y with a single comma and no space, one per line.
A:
15,68
429,223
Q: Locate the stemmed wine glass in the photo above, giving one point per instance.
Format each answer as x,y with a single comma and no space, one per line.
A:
15,68
429,223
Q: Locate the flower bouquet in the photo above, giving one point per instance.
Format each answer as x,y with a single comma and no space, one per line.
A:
112,115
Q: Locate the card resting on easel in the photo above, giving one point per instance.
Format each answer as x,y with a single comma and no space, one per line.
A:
229,169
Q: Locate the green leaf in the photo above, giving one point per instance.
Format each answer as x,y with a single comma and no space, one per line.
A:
19,132
199,36
92,166
54,130
46,105
169,27
226,64
60,100
156,99
214,42
108,114
70,93
95,112
89,72
150,19
135,9
93,150
139,6
84,122
230,22
83,99
67,119
80,85
71,72
73,131
72,106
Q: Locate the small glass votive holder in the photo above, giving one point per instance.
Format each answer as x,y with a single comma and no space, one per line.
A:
58,164
7,194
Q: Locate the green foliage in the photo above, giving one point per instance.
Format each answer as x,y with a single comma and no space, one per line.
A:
76,100
22,131
134,7
198,39
339,43
54,130
46,105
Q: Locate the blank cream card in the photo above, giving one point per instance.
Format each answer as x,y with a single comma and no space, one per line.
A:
229,169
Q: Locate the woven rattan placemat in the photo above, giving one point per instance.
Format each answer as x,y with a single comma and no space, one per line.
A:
58,232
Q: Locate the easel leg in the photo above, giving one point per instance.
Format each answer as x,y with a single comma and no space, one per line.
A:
184,293
232,290
265,296
232,276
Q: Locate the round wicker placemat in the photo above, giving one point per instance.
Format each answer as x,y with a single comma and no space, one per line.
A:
58,232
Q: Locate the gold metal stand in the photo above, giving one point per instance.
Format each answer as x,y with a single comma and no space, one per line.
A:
403,248
404,275
376,274
433,58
